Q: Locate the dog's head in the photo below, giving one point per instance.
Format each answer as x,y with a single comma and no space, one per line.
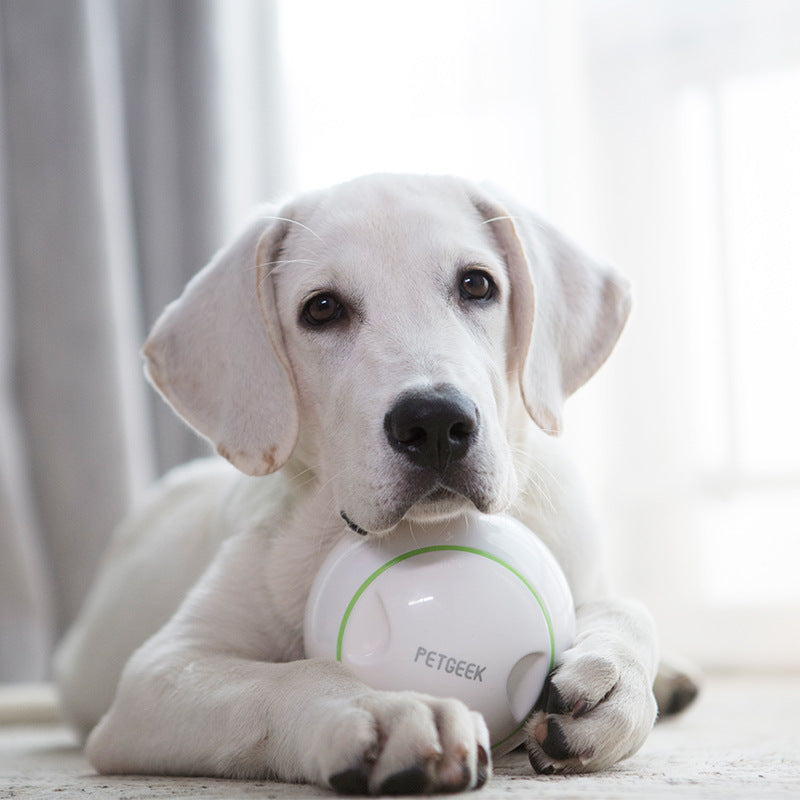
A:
381,331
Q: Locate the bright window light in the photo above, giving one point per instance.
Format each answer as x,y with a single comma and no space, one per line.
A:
439,87
760,125
741,179
668,132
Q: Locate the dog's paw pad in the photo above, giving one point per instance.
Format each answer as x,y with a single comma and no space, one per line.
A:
352,781
413,780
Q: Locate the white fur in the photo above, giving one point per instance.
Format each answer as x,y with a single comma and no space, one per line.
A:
214,680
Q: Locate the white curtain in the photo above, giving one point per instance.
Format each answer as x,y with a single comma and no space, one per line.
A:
112,145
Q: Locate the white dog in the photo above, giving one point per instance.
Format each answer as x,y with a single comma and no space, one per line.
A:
397,347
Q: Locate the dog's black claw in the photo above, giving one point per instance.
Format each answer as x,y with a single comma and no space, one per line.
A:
351,781
483,768
541,769
539,765
555,743
552,701
413,780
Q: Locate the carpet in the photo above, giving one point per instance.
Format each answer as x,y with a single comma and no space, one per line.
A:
741,739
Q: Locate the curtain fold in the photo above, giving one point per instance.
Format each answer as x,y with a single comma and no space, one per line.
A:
26,610
110,153
66,407
170,68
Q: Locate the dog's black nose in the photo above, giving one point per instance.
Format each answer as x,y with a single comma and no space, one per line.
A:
432,428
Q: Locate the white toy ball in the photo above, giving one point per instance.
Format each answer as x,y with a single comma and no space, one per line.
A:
477,609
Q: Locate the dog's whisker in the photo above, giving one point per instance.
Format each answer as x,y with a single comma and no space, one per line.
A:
537,480
283,261
338,474
304,478
413,533
279,264
293,222
529,462
499,218
534,485
529,458
312,468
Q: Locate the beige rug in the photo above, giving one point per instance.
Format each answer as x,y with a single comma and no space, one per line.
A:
740,740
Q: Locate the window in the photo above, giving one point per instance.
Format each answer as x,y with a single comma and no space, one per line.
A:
663,135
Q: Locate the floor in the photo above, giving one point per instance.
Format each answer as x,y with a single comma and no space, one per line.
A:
740,740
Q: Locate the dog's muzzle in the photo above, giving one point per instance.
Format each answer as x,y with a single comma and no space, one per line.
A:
432,428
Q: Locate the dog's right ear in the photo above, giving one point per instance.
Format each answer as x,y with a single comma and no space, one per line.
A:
217,356
567,309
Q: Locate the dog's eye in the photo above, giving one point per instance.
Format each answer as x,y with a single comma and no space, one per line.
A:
476,285
322,309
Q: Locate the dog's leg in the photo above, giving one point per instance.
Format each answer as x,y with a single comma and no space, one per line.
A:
187,712
204,696
598,705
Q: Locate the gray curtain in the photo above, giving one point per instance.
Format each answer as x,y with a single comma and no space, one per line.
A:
110,157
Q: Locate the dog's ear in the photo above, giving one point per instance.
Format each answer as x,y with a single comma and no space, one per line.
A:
216,354
567,309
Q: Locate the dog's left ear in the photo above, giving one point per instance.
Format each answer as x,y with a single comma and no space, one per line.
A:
217,355
567,309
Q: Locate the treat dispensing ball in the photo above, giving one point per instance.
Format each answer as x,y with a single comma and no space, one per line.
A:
476,609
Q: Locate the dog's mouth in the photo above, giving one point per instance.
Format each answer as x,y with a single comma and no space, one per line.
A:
438,495
438,504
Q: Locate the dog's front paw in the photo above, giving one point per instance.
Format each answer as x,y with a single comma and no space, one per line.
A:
394,743
594,711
